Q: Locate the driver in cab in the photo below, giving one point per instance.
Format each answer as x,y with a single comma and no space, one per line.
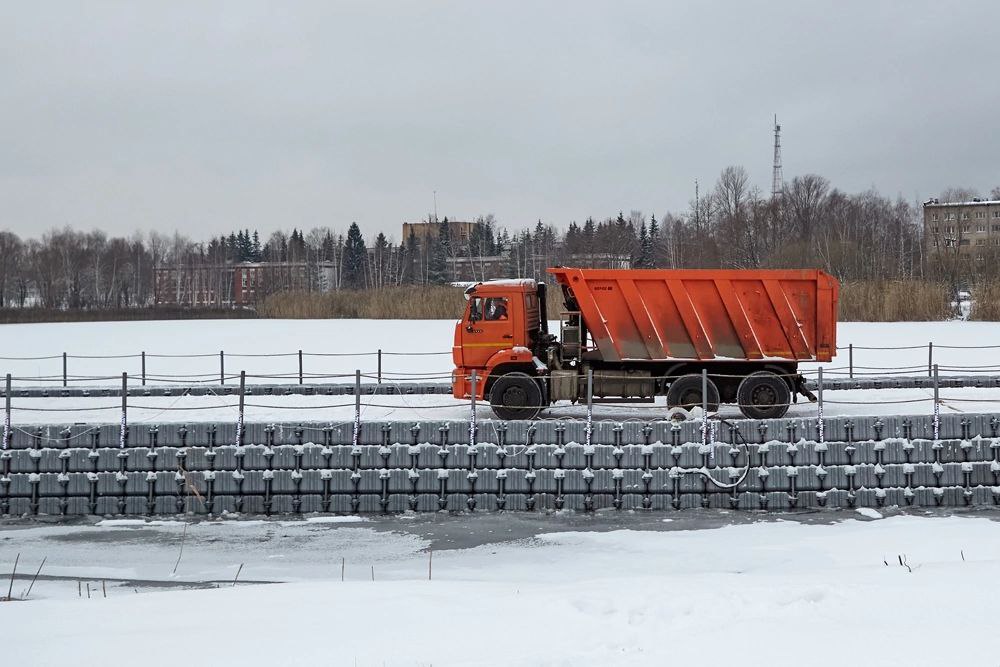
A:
496,309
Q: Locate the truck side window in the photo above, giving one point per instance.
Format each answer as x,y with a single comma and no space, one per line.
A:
496,308
475,309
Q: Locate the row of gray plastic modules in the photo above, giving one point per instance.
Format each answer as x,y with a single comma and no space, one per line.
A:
774,465
551,432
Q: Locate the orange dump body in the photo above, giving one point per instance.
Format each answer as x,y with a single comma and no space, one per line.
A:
707,314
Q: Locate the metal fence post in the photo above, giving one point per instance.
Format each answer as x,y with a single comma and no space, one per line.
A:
930,359
6,420
123,435
222,367
380,365
357,406
144,368
239,424
300,366
472,415
819,406
704,406
590,405
64,369
850,361
937,404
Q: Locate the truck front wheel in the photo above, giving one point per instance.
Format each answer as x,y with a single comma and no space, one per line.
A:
763,395
516,396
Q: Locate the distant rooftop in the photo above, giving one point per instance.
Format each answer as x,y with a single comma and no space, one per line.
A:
976,201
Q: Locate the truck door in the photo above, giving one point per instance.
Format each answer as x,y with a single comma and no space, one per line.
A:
488,328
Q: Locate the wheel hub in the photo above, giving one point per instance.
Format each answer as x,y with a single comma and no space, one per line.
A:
691,399
764,395
515,396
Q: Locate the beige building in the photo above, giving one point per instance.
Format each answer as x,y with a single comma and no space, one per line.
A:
427,233
962,227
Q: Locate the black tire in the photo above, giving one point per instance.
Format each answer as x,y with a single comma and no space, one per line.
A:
516,396
763,395
685,392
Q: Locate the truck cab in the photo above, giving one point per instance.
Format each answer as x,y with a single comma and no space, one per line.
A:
498,334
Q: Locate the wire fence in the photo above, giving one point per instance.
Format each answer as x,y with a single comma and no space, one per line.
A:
299,369
359,404
219,376
302,374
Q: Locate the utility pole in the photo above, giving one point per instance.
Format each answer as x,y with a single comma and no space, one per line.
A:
697,205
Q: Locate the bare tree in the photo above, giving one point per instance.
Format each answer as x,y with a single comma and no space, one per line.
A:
958,194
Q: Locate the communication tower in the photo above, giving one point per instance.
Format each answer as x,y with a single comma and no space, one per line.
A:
777,182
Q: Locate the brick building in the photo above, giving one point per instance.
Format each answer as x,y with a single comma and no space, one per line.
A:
194,286
237,285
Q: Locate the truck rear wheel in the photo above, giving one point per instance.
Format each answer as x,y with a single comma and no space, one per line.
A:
763,395
685,392
516,396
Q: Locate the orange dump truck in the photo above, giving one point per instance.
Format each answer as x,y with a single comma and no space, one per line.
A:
636,334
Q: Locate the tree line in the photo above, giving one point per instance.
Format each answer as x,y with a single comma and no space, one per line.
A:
857,237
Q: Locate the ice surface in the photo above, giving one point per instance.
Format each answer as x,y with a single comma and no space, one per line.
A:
571,598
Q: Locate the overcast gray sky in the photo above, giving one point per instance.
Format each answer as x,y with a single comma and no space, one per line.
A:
207,116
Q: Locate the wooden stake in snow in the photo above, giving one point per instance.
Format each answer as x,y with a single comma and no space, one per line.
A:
430,564
343,564
31,585
104,587
183,536
903,563
13,572
237,574
373,573
88,590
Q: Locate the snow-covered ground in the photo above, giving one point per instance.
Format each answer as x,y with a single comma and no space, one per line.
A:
823,589
413,351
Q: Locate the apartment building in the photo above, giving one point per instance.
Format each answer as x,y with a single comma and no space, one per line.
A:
962,227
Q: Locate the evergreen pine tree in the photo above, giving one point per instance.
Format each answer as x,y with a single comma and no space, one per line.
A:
587,241
232,253
573,239
643,257
654,242
328,249
411,274
355,255
438,271
381,257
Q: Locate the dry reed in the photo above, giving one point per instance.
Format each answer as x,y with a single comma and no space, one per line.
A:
397,303
986,302
893,301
